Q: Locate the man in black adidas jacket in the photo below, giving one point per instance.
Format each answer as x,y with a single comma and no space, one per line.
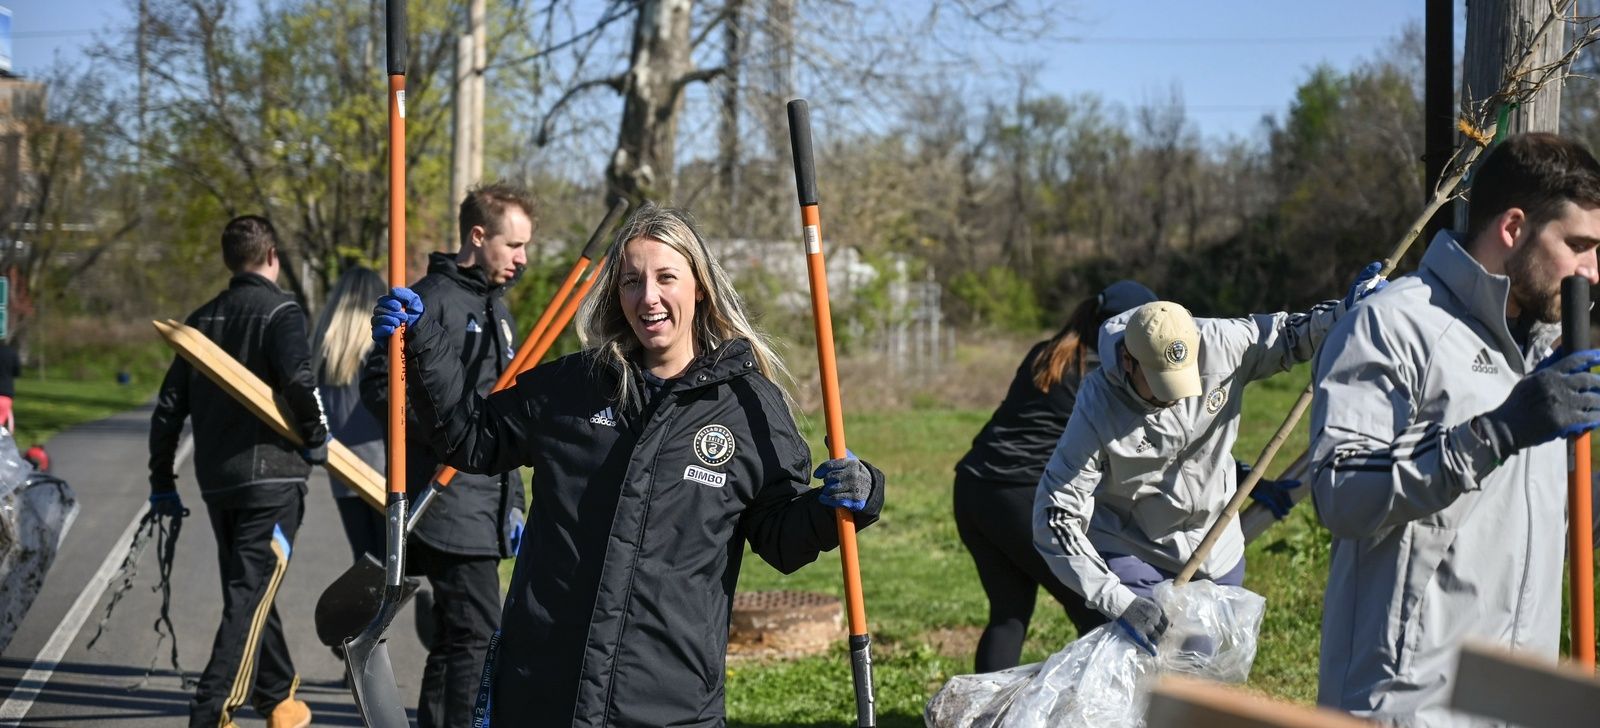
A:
252,480
473,523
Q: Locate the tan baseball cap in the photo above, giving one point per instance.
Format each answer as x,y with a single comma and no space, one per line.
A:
1161,335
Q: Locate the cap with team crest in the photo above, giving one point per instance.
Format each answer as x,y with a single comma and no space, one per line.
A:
1162,336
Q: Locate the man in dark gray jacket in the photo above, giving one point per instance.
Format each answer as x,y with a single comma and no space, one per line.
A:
474,522
253,480
1436,442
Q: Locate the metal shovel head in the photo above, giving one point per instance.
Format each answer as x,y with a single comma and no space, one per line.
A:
351,602
372,678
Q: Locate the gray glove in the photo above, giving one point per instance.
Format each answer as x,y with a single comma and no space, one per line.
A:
1144,623
850,483
1559,399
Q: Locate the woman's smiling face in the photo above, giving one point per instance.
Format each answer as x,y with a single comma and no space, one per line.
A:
658,294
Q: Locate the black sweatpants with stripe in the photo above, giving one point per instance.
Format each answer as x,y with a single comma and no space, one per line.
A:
249,658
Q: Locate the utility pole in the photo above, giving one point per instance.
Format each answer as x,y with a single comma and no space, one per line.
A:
1439,102
1497,33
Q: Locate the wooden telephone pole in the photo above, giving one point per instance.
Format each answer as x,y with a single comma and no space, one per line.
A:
472,53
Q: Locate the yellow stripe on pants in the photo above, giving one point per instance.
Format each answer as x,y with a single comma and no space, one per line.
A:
244,679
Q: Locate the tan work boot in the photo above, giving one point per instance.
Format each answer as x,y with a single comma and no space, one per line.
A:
290,713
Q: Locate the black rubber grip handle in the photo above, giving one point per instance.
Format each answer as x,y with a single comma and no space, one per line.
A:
395,14
610,221
1575,313
805,168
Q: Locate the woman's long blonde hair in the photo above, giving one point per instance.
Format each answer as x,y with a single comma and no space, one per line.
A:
718,317
344,329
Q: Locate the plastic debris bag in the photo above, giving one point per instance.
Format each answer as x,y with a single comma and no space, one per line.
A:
35,512
1103,679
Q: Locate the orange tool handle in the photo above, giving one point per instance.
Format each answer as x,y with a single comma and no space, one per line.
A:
805,178
397,275
526,357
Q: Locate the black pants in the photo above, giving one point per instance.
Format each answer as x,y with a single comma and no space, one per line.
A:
466,612
249,658
363,527
995,520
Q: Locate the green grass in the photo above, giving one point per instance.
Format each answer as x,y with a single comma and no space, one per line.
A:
81,387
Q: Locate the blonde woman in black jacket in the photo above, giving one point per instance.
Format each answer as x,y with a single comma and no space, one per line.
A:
658,453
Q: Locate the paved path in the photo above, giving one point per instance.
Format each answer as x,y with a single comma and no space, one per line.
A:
105,463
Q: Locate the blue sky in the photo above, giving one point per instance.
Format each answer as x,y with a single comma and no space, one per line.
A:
1234,60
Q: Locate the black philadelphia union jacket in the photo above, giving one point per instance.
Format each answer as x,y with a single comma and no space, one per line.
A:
471,516
618,608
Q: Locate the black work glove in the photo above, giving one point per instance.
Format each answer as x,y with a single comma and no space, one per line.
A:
315,455
852,484
1558,399
1144,623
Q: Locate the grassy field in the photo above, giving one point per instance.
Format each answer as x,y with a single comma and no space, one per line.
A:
82,387
924,603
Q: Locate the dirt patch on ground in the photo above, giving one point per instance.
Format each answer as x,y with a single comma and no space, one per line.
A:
953,642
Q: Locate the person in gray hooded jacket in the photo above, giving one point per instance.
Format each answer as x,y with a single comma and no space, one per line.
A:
1145,465
1435,449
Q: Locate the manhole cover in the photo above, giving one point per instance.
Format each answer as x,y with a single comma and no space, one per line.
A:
783,624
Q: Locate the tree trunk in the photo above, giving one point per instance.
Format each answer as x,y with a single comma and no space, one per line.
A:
728,135
642,166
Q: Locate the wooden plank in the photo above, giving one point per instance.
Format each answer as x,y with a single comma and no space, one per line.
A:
1185,702
1493,682
248,389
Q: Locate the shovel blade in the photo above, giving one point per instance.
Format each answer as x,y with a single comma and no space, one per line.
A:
372,680
351,602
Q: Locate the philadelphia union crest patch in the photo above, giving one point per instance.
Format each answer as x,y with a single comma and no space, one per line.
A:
713,444
1216,399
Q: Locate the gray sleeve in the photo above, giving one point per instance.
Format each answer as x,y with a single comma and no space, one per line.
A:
1375,463
1062,508
1274,342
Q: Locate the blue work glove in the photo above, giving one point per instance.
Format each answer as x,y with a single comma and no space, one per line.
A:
1559,399
315,455
1143,622
517,522
847,483
1273,494
1368,282
400,306
167,504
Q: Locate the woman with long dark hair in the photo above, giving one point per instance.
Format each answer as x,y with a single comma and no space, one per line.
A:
996,480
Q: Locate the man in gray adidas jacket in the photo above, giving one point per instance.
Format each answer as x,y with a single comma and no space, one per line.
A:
1145,465
1436,448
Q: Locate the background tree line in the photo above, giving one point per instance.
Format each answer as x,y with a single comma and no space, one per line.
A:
1019,201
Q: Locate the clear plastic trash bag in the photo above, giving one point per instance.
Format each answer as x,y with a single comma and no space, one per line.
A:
35,512
1102,679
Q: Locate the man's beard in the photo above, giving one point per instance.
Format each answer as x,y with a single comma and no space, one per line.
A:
1525,272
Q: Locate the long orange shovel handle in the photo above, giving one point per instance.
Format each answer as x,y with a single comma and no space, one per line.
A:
805,179
1580,534
533,348
367,666
524,358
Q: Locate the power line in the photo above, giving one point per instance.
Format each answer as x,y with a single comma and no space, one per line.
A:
1240,40
54,33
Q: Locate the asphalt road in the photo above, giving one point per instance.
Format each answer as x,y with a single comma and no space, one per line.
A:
48,674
